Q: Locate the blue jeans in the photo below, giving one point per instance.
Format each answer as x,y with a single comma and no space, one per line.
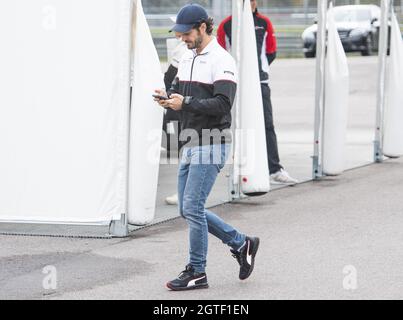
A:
198,170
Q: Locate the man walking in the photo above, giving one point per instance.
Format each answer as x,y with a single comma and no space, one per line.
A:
203,92
266,46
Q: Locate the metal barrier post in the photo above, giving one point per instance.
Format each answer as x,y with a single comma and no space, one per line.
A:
320,89
233,185
383,48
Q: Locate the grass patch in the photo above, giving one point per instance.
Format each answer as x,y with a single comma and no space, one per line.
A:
160,32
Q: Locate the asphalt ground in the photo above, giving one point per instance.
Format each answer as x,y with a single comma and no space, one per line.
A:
310,234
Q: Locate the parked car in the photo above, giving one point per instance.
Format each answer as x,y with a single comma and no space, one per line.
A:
358,27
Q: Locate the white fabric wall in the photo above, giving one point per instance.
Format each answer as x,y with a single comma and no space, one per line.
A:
393,119
336,102
63,109
146,124
253,160
237,11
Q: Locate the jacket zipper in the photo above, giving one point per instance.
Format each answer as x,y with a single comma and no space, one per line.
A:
191,73
191,76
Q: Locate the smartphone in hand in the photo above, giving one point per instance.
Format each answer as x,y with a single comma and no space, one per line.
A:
156,96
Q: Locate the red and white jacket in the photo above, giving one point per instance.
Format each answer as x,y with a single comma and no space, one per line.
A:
265,40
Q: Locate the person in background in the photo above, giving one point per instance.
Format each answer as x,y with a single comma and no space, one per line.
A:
204,91
172,115
266,51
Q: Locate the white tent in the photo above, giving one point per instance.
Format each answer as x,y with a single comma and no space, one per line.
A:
393,129
65,112
336,101
250,156
146,124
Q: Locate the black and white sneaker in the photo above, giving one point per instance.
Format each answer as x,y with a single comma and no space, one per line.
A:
246,257
188,280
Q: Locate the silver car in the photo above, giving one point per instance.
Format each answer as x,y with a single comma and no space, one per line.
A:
358,27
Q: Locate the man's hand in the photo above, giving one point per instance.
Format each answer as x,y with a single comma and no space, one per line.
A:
162,103
175,103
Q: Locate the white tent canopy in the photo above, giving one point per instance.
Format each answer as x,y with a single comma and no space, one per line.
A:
64,110
393,129
336,101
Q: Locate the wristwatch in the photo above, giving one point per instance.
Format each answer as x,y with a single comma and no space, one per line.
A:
187,100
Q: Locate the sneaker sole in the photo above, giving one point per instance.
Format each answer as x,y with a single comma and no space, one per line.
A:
200,286
284,183
254,251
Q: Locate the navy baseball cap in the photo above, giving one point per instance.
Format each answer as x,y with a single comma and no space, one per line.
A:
188,16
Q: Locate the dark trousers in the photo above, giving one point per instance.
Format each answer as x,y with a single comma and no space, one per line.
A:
271,138
172,116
